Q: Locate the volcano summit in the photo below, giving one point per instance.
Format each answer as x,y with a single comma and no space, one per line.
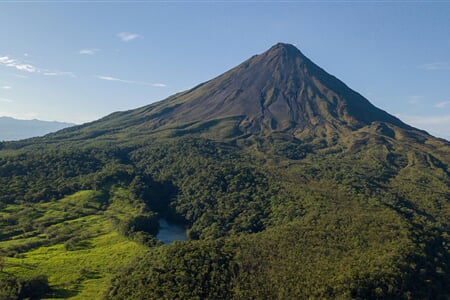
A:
290,184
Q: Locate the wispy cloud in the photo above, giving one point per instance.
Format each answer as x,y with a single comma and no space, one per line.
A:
6,100
59,73
159,84
13,63
109,78
435,66
442,104
26,67
6,87
128,37
89,51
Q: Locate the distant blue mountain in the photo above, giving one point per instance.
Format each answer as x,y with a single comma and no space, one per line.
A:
12,129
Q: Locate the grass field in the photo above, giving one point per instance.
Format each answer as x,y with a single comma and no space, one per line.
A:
73,242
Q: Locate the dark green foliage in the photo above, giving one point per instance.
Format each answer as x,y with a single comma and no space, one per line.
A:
9,288
365,255
42,176
353,224
348,235
12,288
195,270
34,287
214,190
291,185
294,151
145,223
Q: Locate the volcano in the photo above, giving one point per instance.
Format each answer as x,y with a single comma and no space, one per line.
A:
290,186
279,91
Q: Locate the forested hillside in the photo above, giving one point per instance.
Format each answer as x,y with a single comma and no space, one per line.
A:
301,190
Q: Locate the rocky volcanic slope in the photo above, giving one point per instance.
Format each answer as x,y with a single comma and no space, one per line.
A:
291,185
278,91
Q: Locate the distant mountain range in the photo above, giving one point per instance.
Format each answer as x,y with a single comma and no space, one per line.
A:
13,129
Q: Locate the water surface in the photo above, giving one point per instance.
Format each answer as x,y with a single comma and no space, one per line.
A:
169,232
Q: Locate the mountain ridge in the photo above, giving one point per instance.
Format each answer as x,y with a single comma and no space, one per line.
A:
223,96
290,184
16,129
277,91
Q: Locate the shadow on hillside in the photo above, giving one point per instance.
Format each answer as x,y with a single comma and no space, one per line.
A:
60,293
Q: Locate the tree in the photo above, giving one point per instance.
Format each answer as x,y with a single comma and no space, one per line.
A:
2,263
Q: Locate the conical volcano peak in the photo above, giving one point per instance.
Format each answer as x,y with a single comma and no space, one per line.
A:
284,49
282,54
277,91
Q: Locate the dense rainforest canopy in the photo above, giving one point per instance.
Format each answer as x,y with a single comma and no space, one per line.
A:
290,185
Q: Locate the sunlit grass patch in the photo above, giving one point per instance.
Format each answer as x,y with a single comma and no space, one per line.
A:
83,273
70,241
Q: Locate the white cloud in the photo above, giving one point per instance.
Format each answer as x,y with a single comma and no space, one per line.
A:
6,60
109,78
13,63
435,66
159,84
58,73
6,87
128,37
18,65
89,51
442,104
6,100
436,125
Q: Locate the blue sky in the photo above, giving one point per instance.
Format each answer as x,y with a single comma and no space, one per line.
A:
77,61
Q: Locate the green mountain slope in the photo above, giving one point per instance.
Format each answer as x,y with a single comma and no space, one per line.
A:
291,186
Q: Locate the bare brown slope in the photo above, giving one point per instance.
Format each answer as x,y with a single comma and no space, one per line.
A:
278,91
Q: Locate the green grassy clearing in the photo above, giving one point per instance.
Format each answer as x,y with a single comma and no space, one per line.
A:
71,241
